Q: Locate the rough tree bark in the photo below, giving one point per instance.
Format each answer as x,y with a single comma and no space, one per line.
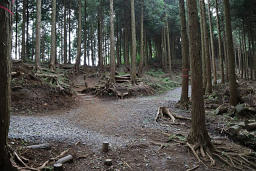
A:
212,45
100,22
65,33
53,37
185,54
85,33
38,33
220,52
126,48
79,39
141,38
169,56
112,44
5,56
27,31
198,133
16,29
69,33
23,44
133,65
234,96
203,50
206,47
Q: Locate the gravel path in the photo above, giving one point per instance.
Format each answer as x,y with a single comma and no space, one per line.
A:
95,120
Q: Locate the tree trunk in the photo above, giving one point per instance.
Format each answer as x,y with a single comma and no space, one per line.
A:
212,45
185,54
203,49
126,48
79,39
206,47
220,53
150,49
85,33
100,21
226,55
16,29
164,49
92,50
169,56
65,33
5,53
23,46
53,37
234,97
112,44
133,66
198,133
38,33
141,38
27,33
118,57
69,33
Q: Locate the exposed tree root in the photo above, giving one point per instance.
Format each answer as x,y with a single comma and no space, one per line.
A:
164,111
192,148
234,160
194,168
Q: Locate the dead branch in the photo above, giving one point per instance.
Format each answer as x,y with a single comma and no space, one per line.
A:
65,159
43,165
61,155
40,146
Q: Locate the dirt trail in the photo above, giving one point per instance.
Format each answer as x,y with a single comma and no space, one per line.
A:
96,120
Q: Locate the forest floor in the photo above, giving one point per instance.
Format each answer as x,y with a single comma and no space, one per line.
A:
137,141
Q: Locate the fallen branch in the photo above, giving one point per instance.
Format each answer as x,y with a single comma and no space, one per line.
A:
65,159
39,146
59,156
43,165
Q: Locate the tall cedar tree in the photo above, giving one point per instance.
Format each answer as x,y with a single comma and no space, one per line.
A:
112,43
220,52
198,133
133,28
23,41
185,54
53,37
169,56
85,33
38,32
5,56
141,38
79,39
65,32
206,48
234,96
100,22
212,44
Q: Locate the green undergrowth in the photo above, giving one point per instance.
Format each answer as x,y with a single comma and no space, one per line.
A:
160,81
